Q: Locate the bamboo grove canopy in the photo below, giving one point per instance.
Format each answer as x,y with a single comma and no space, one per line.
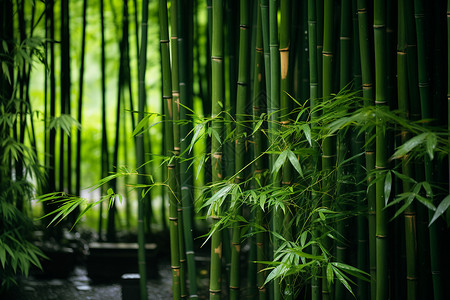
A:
310,139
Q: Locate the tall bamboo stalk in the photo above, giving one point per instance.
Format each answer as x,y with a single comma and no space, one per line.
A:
258,107
169,134
367,85
140,159
186,174
80,102
343,143
328,143
176,140
426,113
241,99
409,214
314,95
379,27
105,153
264,7
217,102
273,106
357,148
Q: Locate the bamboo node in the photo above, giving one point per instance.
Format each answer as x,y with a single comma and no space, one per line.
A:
424,84
215,291
167,97
217,58
242,83
244,26
173,219
381,236
379,26
367,85
234,287
345,38
175,267
286,182
164,41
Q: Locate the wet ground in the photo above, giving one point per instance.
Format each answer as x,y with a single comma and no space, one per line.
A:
79,286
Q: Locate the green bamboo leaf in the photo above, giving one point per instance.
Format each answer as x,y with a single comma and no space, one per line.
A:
279,162
427,202
426,185
307,131
198,129
295,163
341,277
409,145
2,255
140,126
445,203
403,177
257,126
403,208
330,274
303,238
431,144
387,187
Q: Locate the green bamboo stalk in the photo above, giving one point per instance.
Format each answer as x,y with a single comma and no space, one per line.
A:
241,99
410,213
314,95
264,7
357,148
379,26
343,149
258,105
328,143
285,89
426,113
169,134
176,141
217,102
186,174
367,85
274,113
80,101
105,153
140,159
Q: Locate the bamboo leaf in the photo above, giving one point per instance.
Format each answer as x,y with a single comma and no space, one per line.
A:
295,163
330,274
427,202
341,277
431,144
409,145
403,177
307,131
279,162
445,203
387,187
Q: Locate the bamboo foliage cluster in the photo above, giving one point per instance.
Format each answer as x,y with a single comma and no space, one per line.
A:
309,127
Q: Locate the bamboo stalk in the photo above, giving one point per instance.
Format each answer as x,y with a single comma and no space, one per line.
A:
366,72
140,159
176,141
217,102
186,174
80,101
343,143
381,153
357,148
169,134
314,95
328,143
273,112
409,214
241,99
258,107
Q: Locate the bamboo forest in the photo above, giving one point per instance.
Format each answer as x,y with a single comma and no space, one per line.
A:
221,149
